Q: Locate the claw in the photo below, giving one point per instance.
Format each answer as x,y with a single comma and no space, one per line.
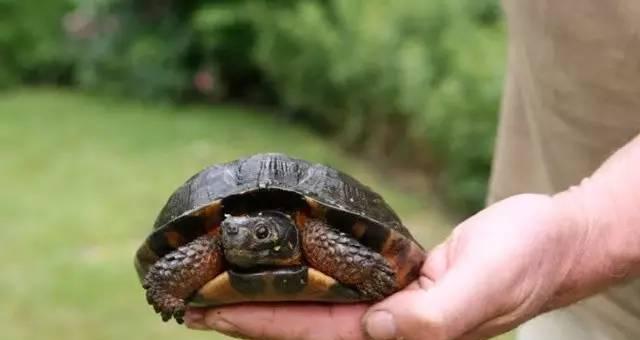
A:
179,319
165,316
149,298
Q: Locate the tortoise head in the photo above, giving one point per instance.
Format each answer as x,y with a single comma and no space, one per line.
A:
268,238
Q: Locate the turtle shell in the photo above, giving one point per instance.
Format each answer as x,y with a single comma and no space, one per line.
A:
277,181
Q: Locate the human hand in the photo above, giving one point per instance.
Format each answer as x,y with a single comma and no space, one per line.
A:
503,266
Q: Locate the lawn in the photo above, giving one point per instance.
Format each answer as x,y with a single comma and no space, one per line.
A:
82,179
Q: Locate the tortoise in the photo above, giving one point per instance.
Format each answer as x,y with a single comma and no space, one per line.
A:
270,227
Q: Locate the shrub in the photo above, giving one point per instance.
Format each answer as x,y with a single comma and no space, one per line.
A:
415,81
32,42
160,50
132,48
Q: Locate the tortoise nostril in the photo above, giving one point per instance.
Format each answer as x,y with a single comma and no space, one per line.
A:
232,229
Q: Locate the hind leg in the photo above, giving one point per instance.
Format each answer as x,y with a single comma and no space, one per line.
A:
180,273
347,260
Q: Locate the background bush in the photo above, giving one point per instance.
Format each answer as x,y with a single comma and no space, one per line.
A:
133,48
413,83
32,44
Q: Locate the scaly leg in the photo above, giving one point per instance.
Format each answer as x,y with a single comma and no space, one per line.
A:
180,273
347,260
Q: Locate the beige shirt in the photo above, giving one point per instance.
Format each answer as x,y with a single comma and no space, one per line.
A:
572,97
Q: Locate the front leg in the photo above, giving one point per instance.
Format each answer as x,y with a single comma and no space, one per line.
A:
178,274
347,260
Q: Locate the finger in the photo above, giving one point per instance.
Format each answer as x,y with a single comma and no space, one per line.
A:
436,263
288,321
455,304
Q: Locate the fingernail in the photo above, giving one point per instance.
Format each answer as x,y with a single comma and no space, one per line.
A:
380,325
195,320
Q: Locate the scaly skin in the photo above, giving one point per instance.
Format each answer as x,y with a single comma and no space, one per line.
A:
347,260
178,274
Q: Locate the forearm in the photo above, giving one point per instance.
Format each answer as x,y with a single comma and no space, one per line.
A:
607,206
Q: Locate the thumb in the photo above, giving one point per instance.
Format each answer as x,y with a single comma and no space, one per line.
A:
455,304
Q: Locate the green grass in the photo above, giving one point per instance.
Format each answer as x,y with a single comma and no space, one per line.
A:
82,179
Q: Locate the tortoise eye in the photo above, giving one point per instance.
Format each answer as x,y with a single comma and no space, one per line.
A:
262,232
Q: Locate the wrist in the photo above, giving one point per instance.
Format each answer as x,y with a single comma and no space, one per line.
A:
605,241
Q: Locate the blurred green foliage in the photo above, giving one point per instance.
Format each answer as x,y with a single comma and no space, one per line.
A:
413,83
132,48
32,42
